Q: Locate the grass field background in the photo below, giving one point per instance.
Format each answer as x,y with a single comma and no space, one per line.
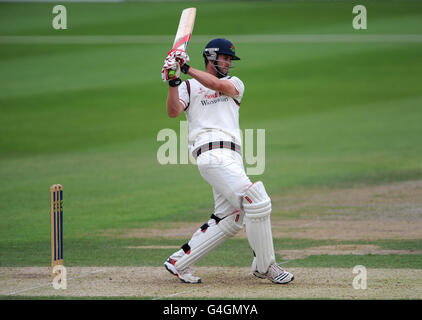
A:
336,114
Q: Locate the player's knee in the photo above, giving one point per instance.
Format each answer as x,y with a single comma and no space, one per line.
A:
232,224
256,202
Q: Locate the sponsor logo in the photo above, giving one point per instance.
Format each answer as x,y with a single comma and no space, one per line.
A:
212,96
214,101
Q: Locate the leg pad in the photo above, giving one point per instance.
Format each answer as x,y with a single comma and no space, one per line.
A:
206,239
257,207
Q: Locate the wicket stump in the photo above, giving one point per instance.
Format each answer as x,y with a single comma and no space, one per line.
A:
56,213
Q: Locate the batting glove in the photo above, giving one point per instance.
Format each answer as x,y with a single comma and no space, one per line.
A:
170,65
180,55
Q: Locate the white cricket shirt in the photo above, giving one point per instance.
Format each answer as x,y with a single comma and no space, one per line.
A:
212,116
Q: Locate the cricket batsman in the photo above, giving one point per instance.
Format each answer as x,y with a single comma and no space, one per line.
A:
211,100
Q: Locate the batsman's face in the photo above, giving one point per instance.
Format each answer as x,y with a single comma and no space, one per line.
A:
224,62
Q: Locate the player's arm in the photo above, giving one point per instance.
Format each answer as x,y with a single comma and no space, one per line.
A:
174,106
212,82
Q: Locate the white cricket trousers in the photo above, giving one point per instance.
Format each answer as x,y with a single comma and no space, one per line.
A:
223,169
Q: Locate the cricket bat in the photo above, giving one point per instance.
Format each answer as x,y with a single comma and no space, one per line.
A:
184,31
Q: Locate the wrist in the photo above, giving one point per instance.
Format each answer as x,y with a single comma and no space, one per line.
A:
175,82
185,68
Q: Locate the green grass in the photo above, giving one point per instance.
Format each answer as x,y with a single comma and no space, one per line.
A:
255,17
106,251
87,116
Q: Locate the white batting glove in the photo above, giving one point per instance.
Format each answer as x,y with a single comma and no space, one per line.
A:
180,55
170,64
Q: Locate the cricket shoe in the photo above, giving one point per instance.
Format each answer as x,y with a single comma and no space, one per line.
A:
275,274
184,275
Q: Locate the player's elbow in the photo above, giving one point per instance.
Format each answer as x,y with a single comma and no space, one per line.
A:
173,114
